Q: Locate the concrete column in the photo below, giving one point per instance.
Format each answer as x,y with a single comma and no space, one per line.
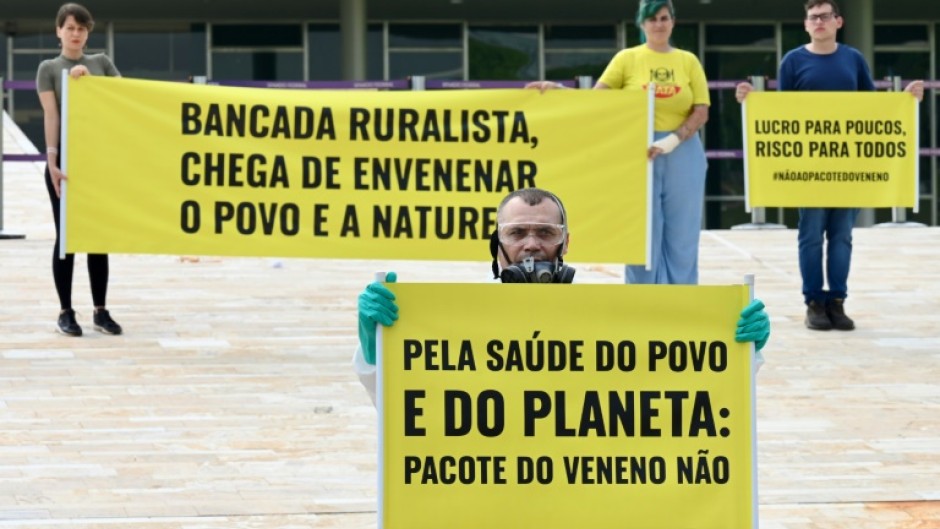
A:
859,28
859,32
352,15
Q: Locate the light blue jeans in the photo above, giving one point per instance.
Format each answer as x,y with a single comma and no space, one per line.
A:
678,196
836,225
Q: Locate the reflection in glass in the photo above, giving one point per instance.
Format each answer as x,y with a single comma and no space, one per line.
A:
3,54
256,35
913,36
257,66
160,55
739,35
793,36
27,112
723,214
568,65
503,53
571,51
685,37
424,36
326,52
723,131
97,39
724,127
580,37
439,65
911,65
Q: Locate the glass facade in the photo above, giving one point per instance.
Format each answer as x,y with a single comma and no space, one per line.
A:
731,52
257,52
161,52
503,52
904,50
571,51
326,64
432,50
29,46
455,50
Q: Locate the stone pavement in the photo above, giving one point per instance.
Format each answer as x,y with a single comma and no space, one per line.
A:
229,403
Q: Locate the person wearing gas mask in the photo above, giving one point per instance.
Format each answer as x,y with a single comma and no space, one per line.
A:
531,239
528,246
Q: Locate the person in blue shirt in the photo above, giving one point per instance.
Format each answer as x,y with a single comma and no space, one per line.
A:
825,65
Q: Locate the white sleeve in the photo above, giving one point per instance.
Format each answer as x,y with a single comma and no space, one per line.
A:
365,371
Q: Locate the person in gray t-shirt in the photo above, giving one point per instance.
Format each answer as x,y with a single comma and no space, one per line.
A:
73,24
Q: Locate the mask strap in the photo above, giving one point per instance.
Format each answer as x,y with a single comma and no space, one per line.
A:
506,255
494,246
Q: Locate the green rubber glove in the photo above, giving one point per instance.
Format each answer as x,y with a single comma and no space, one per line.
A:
376,305
754,325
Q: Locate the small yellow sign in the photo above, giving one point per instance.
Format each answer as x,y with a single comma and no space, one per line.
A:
831,149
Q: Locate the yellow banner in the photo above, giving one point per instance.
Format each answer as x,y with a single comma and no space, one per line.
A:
158,167
831,149
502,414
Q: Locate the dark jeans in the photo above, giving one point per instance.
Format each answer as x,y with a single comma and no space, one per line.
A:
835,224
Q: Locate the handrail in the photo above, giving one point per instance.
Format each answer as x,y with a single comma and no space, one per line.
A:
727,84
438,84
318,85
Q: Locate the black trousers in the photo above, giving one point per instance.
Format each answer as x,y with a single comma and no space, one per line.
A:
62,269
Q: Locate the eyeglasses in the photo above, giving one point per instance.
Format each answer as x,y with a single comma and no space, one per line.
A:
517,232
822,17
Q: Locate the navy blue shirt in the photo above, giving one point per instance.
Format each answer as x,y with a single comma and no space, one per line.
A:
843,71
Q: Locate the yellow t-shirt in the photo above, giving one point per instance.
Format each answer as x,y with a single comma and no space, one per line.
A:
679,77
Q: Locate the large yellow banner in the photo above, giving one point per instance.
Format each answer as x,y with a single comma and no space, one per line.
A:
596,406
158,167
831,149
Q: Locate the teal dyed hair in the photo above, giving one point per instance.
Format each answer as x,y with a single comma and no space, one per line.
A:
648,9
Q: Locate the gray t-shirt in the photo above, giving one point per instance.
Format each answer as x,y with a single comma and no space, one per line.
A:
49,76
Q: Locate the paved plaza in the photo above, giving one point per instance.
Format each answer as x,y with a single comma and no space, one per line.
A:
230,402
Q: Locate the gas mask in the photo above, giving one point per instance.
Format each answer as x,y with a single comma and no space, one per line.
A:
529,270
532,271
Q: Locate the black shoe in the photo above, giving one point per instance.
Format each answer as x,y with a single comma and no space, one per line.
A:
67,323
105,324
836,311
816,317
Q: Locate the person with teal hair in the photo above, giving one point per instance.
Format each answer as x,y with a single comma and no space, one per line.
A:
650,9
677,153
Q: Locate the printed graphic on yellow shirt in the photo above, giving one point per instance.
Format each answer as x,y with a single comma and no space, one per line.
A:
596,406
665,81
831,149
209,170
679,78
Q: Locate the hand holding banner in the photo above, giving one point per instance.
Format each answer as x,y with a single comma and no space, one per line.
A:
536,418
196,169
